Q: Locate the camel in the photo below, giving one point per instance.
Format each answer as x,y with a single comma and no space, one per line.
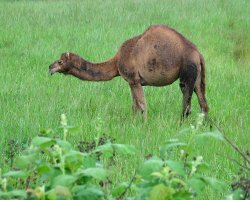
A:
158,57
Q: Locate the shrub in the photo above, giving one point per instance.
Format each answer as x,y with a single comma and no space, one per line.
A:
50,168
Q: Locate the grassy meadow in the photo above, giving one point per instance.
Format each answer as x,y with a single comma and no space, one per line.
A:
34,33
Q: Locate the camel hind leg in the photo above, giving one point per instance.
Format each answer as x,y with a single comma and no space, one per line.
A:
200,92
188,76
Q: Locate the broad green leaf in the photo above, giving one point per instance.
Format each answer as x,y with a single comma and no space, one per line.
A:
202,167
143,192
63,180
75,154
25,161
17,174
196,184
150,166
74,160
215,184
216,135
65,145
176,166
59,192
89,161
20,194
124,149
182,195
119,189
49,175
87,192
43,169
161,192
96,173
42,142
106,150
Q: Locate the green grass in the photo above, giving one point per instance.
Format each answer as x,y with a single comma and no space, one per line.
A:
34,33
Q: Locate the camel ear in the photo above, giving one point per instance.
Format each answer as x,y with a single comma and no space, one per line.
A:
67,55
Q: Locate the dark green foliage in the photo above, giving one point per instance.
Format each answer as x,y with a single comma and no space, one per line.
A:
50,168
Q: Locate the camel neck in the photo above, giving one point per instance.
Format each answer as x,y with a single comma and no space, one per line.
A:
103,71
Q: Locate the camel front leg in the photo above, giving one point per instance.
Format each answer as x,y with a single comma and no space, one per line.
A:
139,101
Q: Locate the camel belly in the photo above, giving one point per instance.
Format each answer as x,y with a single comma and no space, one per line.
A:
158,77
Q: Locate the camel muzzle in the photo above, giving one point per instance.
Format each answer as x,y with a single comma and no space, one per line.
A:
51,72
53,69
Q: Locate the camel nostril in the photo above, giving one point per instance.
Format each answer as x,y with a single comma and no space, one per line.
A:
51,71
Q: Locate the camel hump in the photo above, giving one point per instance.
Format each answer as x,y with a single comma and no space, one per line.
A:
156,56
163,44
171,34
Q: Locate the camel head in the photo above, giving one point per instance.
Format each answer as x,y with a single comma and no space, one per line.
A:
63,65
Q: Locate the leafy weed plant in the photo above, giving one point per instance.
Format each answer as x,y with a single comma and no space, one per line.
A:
50,168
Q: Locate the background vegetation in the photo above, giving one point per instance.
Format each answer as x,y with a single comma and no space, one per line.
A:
34,33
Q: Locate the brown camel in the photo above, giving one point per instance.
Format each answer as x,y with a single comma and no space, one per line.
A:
158,57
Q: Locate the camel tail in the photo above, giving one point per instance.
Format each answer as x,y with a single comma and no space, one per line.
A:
203,76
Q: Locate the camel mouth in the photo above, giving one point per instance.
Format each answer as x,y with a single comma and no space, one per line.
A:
53,69
51,72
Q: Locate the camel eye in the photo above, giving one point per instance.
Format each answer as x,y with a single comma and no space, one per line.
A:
60,62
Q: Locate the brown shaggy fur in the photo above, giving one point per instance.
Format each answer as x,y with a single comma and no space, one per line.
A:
158,57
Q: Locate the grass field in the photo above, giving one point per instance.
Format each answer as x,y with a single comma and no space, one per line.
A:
34,33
